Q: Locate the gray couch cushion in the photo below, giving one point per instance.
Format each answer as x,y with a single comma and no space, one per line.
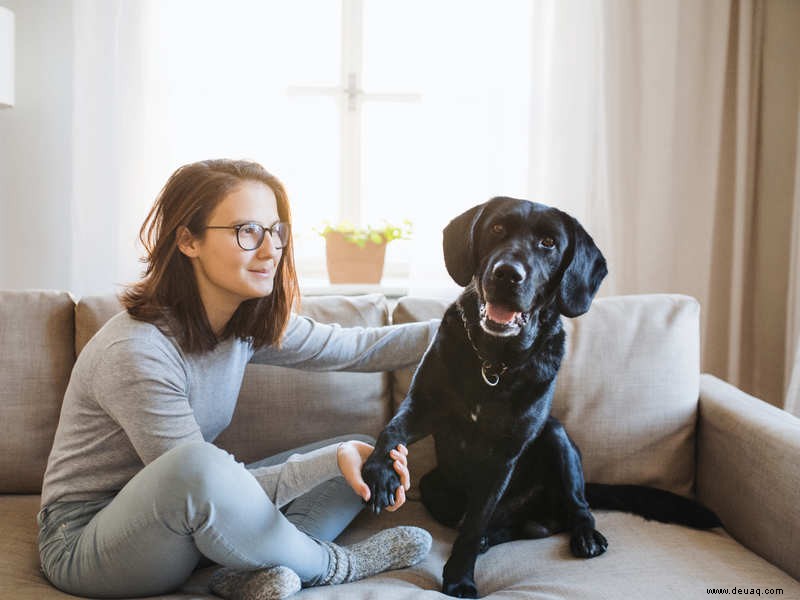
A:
36,357
20,576
629,387
627,390
281,408
644,560
91,313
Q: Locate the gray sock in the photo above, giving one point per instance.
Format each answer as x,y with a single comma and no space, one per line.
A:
274,583
395,548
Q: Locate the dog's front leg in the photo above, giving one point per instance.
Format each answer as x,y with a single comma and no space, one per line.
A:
458,577
411,423
585,540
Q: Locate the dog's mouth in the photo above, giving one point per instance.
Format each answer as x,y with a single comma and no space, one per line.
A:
501,321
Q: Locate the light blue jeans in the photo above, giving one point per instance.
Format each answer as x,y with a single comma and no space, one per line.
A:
194,503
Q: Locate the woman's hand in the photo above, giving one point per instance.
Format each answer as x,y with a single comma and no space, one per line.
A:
352,455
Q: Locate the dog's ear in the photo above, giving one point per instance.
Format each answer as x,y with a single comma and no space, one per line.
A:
458,242
583,274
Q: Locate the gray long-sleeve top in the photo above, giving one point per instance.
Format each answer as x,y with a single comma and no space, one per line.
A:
134,394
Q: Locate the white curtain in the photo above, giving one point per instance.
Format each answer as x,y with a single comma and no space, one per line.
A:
116,137
665,128
625,132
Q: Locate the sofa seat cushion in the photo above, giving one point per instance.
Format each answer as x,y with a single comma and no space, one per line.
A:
644,560
20,577
627,391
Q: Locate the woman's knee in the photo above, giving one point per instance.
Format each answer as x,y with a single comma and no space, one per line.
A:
195,455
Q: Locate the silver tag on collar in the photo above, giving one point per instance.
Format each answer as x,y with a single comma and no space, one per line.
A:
492,379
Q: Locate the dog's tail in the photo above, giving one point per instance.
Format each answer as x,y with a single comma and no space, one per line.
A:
651,503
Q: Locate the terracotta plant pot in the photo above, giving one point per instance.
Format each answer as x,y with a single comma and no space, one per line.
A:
350,263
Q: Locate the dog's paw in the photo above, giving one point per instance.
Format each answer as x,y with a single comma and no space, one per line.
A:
383,481
460,589
458,575
587,542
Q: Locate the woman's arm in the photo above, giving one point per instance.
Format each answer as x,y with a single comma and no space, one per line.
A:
315,346
302,472
299,474
144,391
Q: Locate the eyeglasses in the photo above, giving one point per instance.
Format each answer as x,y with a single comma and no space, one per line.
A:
250,236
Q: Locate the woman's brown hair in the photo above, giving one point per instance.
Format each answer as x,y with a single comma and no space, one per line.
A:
168,296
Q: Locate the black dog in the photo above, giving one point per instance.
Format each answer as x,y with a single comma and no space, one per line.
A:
506,468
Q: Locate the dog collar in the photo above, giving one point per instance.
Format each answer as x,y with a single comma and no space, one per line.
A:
490,373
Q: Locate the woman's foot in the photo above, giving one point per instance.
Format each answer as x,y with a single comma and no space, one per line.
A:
274,583
395,548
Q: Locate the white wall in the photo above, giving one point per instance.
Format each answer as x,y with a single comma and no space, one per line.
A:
36,150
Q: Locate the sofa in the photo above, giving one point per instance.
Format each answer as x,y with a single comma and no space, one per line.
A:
630,393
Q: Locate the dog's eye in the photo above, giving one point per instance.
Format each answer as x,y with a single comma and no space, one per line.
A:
548,243
498,229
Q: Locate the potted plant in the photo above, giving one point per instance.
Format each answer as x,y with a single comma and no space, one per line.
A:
356,254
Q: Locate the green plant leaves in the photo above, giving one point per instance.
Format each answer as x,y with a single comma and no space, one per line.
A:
375,234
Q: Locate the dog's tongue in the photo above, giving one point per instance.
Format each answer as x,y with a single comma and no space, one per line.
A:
499,314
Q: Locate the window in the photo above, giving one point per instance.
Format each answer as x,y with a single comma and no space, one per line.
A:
365,109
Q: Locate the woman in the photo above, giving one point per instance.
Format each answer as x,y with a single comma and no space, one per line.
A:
135,494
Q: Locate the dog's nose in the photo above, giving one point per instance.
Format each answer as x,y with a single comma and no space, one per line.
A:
507,271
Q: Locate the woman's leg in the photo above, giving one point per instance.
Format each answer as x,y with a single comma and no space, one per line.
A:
194,500
324,512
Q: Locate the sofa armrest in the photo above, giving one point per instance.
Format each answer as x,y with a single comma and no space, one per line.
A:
748,470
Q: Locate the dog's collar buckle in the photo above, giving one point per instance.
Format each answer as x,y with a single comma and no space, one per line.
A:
490,375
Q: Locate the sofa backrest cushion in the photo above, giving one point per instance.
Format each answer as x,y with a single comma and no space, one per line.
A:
91,313
282,408
36,357
627,391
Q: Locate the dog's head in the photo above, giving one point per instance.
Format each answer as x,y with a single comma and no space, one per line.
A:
522,256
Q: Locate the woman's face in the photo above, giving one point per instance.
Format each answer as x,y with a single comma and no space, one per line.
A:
226,274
